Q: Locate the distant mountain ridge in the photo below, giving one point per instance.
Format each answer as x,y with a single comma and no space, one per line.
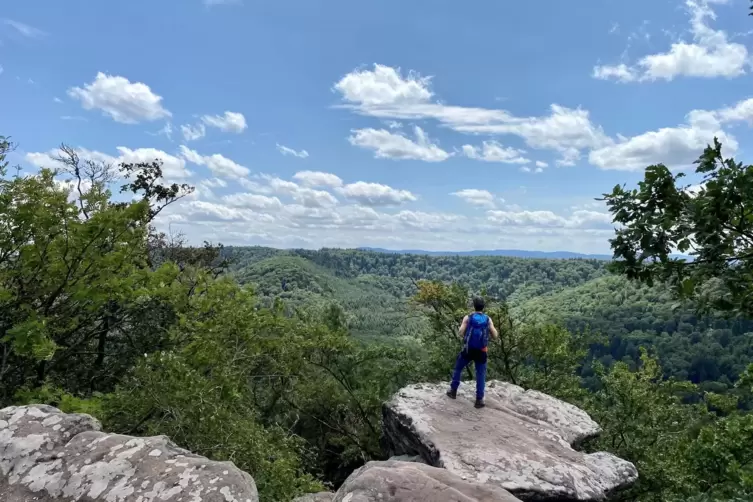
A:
516,253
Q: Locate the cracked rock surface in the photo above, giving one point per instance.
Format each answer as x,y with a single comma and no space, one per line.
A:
523,441
50,456
396,481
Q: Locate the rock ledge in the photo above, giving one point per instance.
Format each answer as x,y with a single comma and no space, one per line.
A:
50,456
523,441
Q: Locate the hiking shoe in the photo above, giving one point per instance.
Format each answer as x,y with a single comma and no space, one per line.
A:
453,393
479,403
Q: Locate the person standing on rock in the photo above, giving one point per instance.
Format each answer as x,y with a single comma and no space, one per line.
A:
474,330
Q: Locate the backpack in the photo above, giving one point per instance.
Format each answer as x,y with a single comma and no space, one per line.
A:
477,332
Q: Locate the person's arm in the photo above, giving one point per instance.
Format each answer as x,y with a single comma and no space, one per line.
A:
492,329
463,327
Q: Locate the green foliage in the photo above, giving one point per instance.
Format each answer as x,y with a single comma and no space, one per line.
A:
61,399
714,223
284,372
544,357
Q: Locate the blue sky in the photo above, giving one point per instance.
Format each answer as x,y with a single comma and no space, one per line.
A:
435,125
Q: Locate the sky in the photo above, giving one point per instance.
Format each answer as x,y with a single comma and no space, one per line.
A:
431,125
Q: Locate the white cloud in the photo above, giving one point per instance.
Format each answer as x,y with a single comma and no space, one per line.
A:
123,101
270,219
228,122
253,201
387,145
289,151
218,164
578,219
709,55
740,112
24,29
173,168
569,156
192,133
674,146
307,197
383,86
535,170
384,93
483,198
213,183
620,72
492,151
541,164
166,131
375,194
317,178
426,221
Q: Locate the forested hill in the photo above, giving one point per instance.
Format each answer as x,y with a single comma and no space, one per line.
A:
373,289
515,253
500,276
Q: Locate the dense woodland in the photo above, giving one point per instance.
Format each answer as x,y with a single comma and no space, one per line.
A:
280,360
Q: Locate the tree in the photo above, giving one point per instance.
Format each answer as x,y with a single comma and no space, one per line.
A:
77,292
712,221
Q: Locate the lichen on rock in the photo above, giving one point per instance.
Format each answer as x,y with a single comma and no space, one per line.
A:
50,456
396,481
523,441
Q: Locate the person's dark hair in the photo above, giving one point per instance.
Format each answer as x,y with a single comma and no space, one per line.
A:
478,304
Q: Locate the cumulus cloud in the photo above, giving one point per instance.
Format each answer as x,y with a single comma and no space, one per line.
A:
318,179
674,146
219,165
491,151
578,219
306,197
228,122
289,151
710,54
253,201
375,194
118,98
388,145
482,198
173,168
383,86
386,94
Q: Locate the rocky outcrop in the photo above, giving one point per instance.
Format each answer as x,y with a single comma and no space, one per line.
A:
50,456
395,481
316,497
523,441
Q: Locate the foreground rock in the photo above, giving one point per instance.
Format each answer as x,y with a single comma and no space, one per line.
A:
316,497
395,481
522,441
50,456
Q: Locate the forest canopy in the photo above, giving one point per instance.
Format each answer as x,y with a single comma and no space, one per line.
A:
293,352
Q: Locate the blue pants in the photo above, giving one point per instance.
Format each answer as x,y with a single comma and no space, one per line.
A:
464,359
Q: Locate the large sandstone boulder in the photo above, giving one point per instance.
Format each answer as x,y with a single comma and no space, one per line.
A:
395,481
522,441
316,497
50,456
